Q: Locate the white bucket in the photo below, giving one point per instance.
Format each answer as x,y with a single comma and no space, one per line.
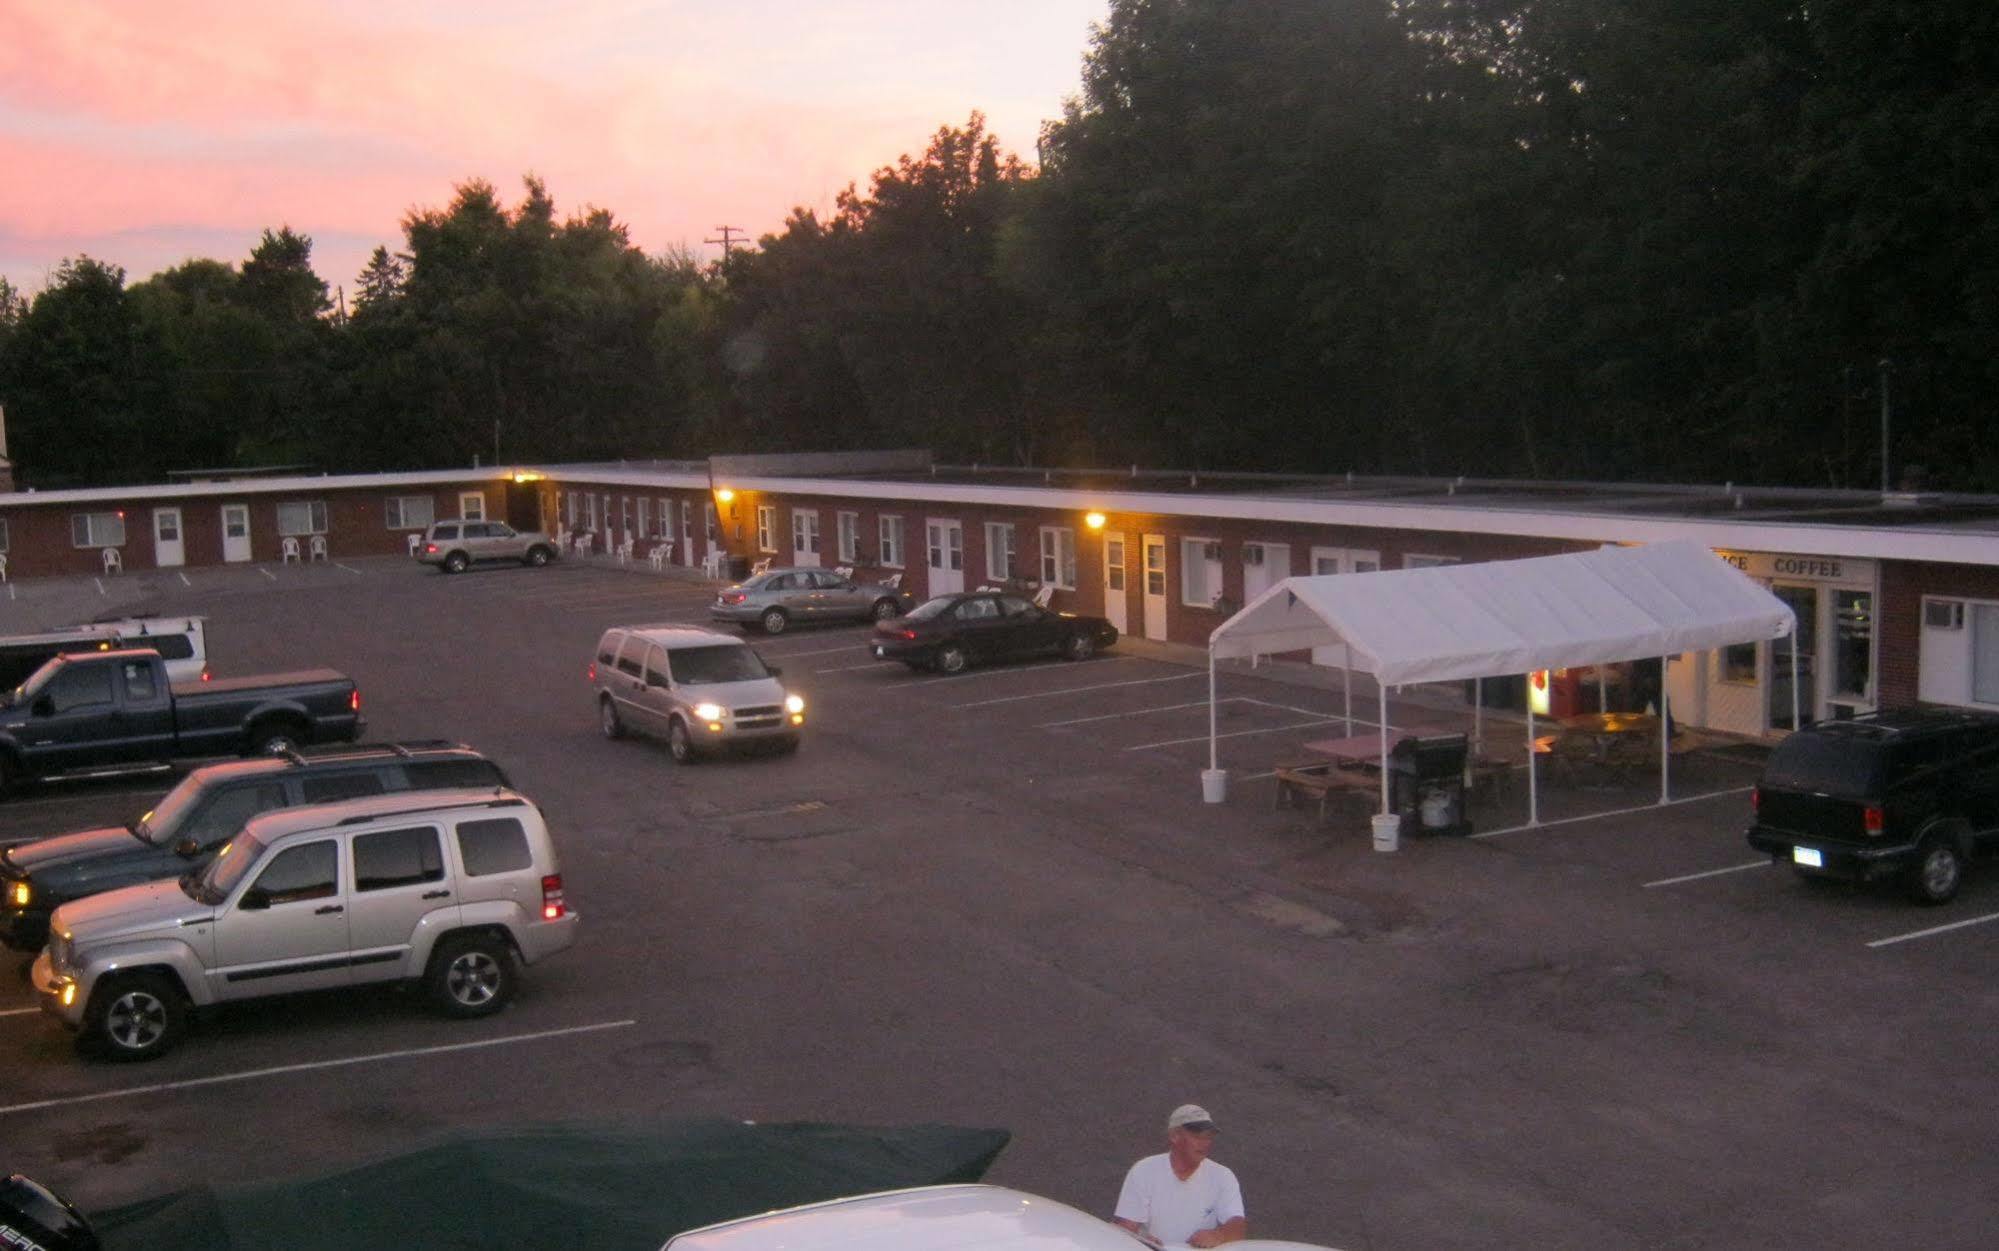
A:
1387,831
1214,785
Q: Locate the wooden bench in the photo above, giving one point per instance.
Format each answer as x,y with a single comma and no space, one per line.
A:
1320,780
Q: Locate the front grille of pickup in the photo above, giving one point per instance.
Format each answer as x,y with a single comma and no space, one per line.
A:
761,717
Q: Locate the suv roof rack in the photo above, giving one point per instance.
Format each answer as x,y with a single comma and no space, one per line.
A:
498,801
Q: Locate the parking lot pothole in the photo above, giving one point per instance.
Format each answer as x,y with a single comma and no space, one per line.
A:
1290,916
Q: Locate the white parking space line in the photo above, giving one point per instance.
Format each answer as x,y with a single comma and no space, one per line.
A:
349,568
873,664
221,1078
18,1011
1075,690
1000,673
1615,812
1202,738
184,581
1695,877
1934,929
267,573
1131,712
824,651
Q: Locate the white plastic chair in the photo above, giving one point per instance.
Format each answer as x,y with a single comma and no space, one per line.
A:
113,562
1044,595
3,566
319,547
288,551
416,541
843,571
714,562
658,555
583,538
893,582
761,567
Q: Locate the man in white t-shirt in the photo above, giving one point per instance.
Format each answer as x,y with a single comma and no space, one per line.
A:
1183,1198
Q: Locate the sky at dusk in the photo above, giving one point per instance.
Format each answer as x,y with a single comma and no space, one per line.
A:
145,132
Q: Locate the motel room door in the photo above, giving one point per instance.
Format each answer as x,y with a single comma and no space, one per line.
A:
1155,586
946,543
168,549
1340,560
235,532
1117,600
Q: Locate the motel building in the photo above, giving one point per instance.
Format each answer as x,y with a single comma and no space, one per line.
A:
1896,594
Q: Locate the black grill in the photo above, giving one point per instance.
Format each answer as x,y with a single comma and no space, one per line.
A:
759,717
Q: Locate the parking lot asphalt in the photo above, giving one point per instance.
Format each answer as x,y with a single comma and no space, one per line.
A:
997,899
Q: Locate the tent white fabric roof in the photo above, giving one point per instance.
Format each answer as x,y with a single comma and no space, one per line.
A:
1513,616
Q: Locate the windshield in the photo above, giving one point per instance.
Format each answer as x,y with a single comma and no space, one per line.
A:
33,682
213,884
931,609
731,662
158,826
1821,764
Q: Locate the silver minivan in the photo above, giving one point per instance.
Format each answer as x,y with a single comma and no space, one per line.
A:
696,688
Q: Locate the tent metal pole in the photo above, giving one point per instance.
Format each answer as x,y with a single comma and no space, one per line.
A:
1602,695
1533,796
1383,688
1478,714
1795,723
1665,733
1346,685
1211,707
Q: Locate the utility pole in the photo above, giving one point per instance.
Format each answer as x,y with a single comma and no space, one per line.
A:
728,239
1885,366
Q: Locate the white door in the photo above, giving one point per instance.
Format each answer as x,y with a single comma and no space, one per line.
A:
687,533
947,556
168,550
1155,586
235,532
1340,560
1117,601
1264,565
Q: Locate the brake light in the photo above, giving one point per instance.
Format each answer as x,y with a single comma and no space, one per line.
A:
593,671
430,549
206,676
905,633
1872,819
354,700
1755,799
733,597
552,905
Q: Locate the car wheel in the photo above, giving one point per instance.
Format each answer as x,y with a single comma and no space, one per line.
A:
774,621
607,719
1939,869
1079,647
886,608
950,659
274,738
471,975
538,556
456,562
136,1017
679,742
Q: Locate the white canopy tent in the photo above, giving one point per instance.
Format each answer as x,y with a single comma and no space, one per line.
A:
1455,622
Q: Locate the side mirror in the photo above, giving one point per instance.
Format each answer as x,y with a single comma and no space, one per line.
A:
43,706
256,899
186,848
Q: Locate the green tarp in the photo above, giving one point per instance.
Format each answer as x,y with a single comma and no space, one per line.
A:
557,1186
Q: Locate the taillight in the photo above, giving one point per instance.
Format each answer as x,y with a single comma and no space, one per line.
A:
206,676
1755,799
1872,819
906,633
354,700
552,906
593,671
733,597
430,549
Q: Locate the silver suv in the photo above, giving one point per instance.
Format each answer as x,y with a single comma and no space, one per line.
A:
697,688
454,546
452,889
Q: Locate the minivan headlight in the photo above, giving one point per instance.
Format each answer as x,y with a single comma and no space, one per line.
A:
708,712
794,703
18,894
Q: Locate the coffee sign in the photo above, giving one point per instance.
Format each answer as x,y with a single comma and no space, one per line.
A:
1787,568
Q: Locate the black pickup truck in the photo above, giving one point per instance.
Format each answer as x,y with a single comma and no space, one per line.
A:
91,712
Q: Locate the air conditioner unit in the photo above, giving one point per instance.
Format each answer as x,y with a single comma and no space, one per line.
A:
1943,614
1252,553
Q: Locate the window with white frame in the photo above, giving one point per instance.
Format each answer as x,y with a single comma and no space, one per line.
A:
847,532
472,506
409,512
298,517
766,527
645,519
97,529
1427,562
663,527
4,540
805,534
713,522
1200,572
890,529
999,550
569,509
1058,557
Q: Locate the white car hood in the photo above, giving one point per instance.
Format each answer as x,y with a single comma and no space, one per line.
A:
134,910
733,695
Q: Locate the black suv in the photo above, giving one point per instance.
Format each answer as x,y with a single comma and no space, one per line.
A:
206,810
1908,793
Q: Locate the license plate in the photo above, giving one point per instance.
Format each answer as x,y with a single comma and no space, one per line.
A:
1810,857
881,653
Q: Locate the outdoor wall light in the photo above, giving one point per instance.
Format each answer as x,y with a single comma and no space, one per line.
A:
1094,520
725,495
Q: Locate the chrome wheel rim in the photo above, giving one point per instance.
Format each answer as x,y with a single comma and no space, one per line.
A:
136,1020
474,978
607,717
773,623
1939,871
677,742
951,660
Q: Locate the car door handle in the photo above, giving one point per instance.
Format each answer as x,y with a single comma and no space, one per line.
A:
328,910
437,894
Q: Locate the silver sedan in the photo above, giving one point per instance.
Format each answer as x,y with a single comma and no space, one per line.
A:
781,598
